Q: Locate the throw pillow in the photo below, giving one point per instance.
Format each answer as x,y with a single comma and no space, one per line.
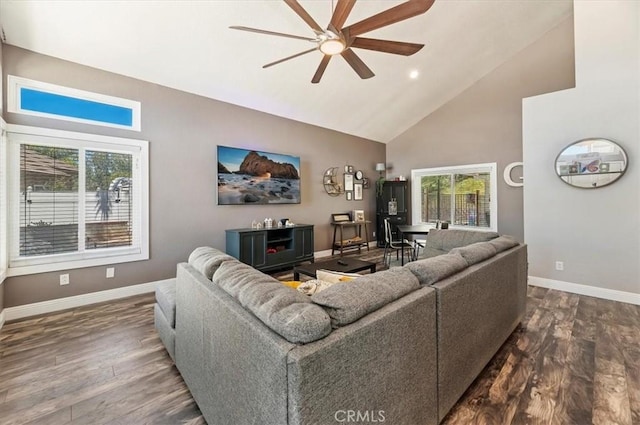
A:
291,283
347,302
335,277
313,286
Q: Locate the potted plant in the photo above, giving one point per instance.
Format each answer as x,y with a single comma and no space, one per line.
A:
380,186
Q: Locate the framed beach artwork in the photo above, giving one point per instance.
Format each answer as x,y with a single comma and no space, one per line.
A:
248,176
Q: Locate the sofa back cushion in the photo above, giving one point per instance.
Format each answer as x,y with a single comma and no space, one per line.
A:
440,241
476,252
207,260
503,243
346,302
283,309
431,270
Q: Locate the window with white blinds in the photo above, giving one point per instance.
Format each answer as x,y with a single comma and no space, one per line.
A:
75,200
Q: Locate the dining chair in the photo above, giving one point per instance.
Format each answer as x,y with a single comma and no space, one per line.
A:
395,245
417,244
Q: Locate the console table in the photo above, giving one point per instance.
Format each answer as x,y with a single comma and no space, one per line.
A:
356,241
273,248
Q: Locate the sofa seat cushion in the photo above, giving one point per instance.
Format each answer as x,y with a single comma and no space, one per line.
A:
432,270
207,260
283,309
166,300
476,252
443,241
346,302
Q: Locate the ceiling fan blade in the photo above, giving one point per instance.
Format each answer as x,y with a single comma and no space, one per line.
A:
289,57
394,47
293,4
403,11
320,71
279,34
340,14
356,63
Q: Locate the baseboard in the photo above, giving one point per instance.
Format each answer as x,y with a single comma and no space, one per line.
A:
591,291
1,319
27,310
324,253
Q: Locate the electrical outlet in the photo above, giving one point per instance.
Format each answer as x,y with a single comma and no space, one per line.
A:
374,234
64,279
111,272
560,265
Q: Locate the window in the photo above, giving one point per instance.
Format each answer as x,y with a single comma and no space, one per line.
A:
75,200
464,196
40,99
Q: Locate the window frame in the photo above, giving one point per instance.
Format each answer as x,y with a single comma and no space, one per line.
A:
3,201
490,167
14,103
18,135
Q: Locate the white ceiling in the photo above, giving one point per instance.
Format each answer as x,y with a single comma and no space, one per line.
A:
187,45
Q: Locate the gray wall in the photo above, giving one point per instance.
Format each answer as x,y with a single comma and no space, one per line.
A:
595,232
484,123
183,130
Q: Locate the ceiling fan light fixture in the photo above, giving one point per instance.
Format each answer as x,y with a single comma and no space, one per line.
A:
332,46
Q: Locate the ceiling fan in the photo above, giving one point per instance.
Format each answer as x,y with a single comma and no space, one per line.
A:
337,39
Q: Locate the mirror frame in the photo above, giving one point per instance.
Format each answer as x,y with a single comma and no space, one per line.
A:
565,177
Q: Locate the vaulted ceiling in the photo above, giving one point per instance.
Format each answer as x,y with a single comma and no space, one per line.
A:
187,45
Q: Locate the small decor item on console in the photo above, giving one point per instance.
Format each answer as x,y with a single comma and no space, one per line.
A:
340,217
393,207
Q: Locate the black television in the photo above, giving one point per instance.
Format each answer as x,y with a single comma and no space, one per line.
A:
249,176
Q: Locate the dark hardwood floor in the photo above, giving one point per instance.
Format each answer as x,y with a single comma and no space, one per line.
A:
574,360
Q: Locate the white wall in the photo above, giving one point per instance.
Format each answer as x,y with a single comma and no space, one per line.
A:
595,232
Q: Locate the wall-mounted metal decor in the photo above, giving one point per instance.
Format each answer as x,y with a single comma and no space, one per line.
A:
591,163
331,184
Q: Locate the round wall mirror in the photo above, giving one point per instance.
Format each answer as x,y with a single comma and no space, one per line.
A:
591,163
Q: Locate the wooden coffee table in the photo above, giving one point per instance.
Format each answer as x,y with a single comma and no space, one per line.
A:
351,265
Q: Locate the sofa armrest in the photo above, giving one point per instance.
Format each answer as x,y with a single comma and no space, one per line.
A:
478,308
234,365
382,366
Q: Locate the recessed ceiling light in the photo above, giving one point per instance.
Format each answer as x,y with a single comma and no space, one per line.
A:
414,74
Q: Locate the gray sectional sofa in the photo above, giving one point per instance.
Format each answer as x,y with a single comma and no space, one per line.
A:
400,345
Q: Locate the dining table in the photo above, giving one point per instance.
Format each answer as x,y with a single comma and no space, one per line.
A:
413,230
